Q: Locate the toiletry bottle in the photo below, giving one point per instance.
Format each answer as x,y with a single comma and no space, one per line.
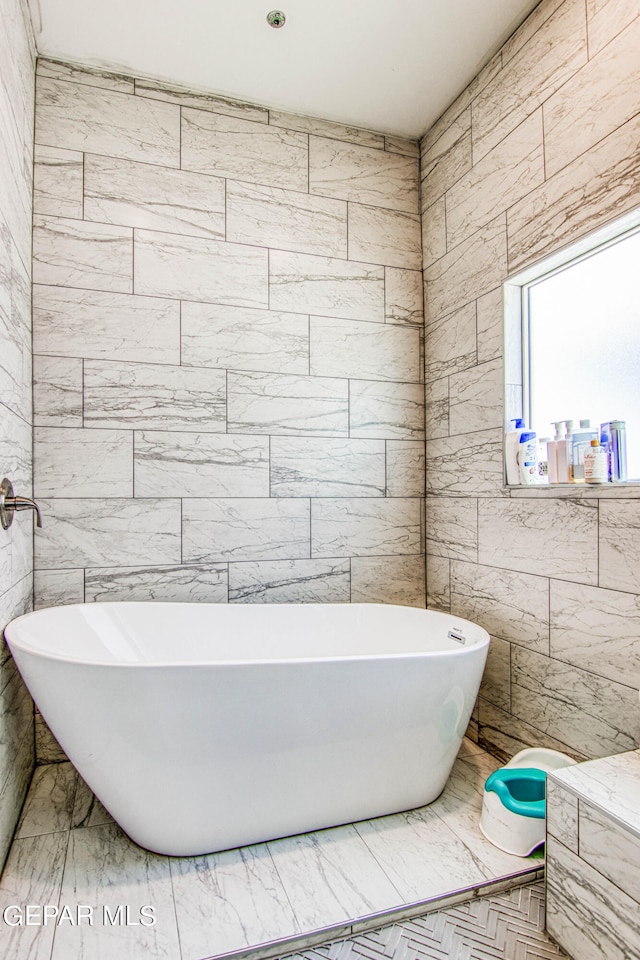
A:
614,437
512,438
563,454
596,463
543,459
580,443
528,458
552,454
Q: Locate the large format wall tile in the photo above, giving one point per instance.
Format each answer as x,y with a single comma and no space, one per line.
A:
190,583
311,467
326,128
241,338
288,220
467,465
182,262
157,90
155,198
384,236
573,117
360,528
475,398
405,468
452,528
447,159
596,629
584,195
352,172
390,410
15,328
280,404
192,268
57,70
105,326
17,56
450,343
543,99
514,606
54,588
290,581
242,149
612,850
76,116
605,19
82,463
619,548
436,395
245,529
326,286
71,253
403,296
574,705
200,465
551,57
57,182
510,171
472,268
562,814
149,396
388,580
373,351
586,913
96,533
552,538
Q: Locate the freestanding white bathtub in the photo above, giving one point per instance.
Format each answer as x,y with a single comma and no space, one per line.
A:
205,726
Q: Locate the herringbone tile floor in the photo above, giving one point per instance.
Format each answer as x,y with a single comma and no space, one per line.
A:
507,926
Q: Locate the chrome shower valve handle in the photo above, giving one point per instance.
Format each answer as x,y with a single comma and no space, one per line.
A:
10,504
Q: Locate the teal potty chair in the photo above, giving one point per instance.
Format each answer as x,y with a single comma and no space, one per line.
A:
514,803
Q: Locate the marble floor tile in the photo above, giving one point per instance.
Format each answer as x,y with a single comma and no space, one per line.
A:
407,847
460,806
228,900
50,802
238,898
32,875
104,869
331,876
87,809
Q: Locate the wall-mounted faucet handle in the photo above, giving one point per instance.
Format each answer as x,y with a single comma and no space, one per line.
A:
10,504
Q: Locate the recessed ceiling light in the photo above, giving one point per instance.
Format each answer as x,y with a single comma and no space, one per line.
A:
276,19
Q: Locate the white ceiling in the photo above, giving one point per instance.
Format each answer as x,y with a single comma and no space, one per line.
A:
391,65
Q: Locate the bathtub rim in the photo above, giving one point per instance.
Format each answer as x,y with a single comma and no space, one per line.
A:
481,642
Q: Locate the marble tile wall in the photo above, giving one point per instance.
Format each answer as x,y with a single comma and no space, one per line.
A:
592,856
229,400
17,56
539,150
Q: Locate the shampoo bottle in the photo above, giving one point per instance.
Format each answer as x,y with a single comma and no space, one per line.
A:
596,463
580,444
512,440
563,453
552,454
528,458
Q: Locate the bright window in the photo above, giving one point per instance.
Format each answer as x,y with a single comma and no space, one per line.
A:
581,338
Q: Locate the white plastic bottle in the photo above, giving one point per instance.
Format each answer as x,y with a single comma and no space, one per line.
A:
563,454
543,459
596,464
511,441
580,443
528,458
552,452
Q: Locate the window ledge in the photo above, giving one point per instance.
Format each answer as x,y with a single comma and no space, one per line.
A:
596,491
